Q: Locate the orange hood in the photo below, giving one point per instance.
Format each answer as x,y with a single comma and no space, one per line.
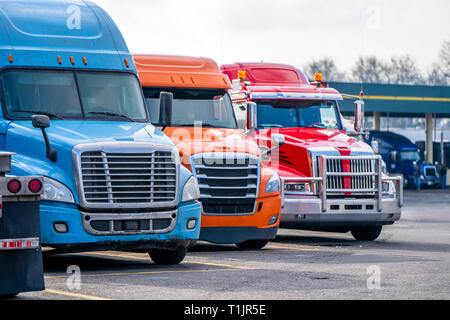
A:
191,140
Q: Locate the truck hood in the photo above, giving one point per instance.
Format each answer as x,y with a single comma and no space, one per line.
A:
190,141
301,143
28,144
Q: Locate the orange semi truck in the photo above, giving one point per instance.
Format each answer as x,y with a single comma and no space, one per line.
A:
240,195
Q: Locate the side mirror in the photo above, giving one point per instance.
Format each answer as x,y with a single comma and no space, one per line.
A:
278,139
165,109
359,115
40,121
375,146
252,119
393,155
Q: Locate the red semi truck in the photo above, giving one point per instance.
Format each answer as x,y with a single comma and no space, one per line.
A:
331,180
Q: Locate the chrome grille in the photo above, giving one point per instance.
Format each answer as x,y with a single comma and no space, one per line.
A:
364,182
430,172
128,179
228,182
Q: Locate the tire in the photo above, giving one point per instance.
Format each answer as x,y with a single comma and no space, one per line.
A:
366,233
167,257
252,244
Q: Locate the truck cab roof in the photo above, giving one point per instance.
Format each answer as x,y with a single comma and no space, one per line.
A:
278,81
397,141
180,71
75,34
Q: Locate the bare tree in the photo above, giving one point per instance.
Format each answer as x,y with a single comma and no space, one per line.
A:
370,69
440,70
404,71
396,70
327,67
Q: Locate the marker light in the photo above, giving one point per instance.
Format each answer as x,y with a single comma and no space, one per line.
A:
35,185
14,186
72,60
59,59
241,74
127,63
318,77
10,58
85,61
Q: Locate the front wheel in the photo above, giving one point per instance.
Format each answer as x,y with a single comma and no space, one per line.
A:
167,257
366,233
252,244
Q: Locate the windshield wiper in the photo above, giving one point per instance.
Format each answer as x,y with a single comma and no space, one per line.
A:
112,114
39,112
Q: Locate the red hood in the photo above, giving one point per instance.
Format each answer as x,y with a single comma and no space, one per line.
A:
293,155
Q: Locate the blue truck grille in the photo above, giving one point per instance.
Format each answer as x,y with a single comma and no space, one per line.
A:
128,178
228,182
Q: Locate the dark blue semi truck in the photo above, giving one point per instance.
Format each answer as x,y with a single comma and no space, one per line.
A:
401,157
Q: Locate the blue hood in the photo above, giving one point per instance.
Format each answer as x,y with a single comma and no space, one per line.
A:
28,144
397,141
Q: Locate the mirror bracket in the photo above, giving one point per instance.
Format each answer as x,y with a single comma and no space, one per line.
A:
42,122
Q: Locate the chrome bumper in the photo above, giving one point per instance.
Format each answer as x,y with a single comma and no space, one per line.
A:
321,209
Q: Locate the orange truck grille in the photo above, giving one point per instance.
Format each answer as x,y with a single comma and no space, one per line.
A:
228,182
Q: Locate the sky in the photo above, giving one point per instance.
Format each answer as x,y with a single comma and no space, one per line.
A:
284,31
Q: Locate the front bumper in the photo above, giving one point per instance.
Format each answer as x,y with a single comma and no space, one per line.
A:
262,224
78,237
429,181
343,203
308,212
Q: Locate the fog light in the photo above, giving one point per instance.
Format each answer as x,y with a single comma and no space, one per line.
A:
191,223
61,227
273,219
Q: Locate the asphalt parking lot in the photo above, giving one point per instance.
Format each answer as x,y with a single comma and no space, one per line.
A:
410,260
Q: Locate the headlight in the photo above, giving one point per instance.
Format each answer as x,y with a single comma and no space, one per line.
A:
298,187
190,190
56,191
273,184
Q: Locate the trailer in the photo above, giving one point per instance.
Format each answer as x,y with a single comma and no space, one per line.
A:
21,267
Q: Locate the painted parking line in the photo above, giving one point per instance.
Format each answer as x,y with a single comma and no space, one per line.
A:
287,247
74,295
140,273
144,256
138,256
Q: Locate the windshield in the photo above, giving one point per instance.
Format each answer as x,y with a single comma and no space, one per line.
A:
298,113
212,107
73,95
409,155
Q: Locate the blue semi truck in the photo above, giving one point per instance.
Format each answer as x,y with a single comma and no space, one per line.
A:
401,156
73,112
